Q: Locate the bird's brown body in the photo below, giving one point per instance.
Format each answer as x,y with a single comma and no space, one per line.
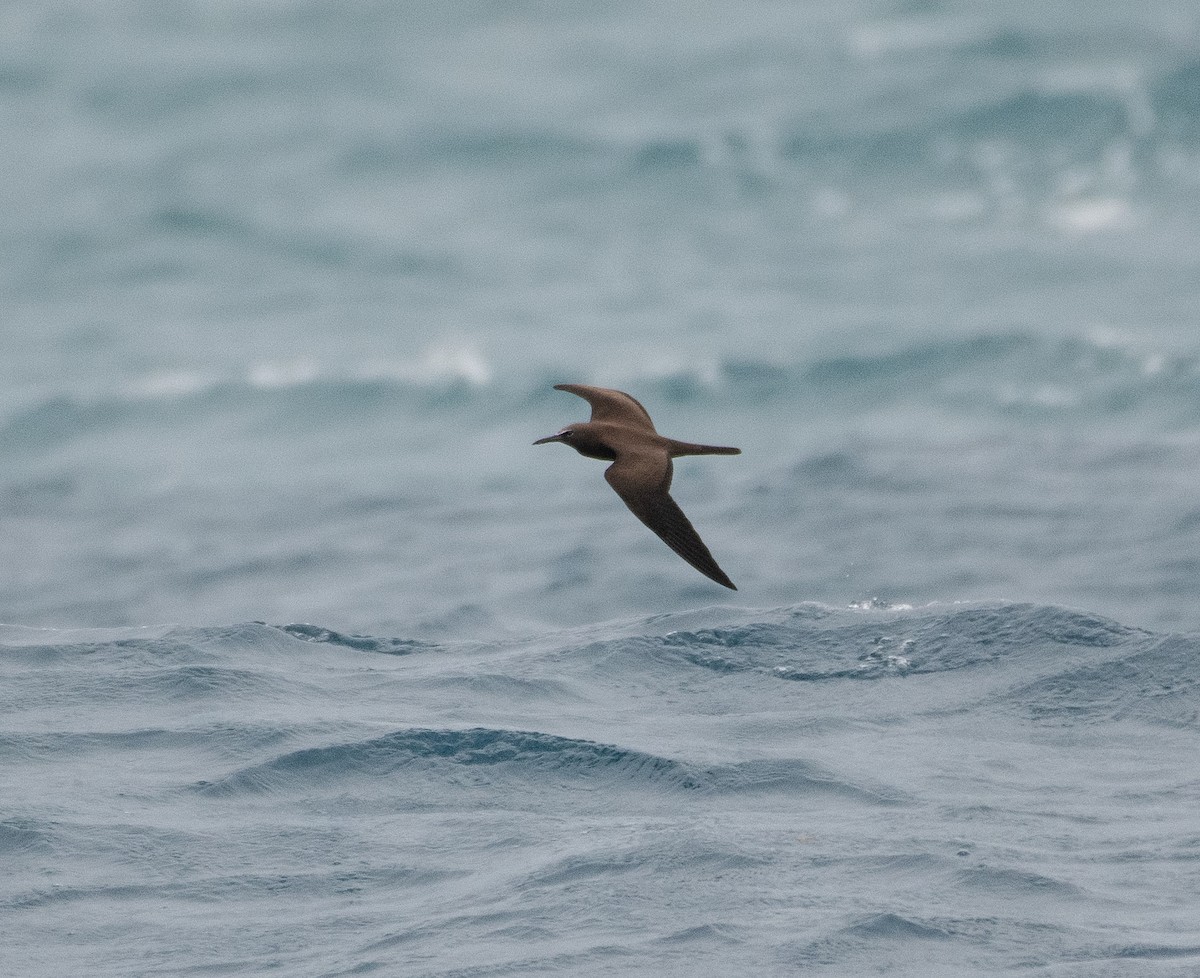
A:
621,432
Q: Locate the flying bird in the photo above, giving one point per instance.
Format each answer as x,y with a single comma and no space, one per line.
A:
620,431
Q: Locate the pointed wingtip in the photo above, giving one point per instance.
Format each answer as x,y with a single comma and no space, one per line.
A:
710,569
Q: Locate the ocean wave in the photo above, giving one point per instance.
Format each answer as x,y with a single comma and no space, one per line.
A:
320,394
894,927
23,836
649,856
1084,120
1008,374
359,643
813,641
525,755
683,755
1157,682
1046,117
994,880
817,644
1051,665
479,757
1004,374
1176,100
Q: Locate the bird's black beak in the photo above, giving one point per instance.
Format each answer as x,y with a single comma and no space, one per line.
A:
549,438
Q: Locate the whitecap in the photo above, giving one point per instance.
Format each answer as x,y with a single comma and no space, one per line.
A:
1088,215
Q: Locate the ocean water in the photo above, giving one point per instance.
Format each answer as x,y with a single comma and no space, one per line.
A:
312,664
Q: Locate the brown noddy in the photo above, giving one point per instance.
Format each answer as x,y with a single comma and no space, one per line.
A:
621,432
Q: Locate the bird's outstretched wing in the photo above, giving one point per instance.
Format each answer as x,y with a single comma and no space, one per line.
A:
610,405
642,480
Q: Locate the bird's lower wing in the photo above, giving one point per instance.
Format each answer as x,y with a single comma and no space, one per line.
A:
643,483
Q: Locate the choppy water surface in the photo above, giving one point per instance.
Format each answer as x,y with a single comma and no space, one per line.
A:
313,664
948,790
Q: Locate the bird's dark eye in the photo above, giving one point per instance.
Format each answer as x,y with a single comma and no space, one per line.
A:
568,433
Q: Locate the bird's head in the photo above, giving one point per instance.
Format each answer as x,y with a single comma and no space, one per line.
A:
564,436
585,439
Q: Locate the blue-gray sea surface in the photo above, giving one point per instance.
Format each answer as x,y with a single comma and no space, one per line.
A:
313,665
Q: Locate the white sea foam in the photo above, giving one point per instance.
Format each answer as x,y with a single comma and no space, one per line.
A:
912,35
1090,215
272,374
170,384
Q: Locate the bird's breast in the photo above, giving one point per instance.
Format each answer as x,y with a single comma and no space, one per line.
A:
596,450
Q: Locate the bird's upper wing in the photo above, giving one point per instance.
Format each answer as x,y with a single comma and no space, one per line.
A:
610,405
642,480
